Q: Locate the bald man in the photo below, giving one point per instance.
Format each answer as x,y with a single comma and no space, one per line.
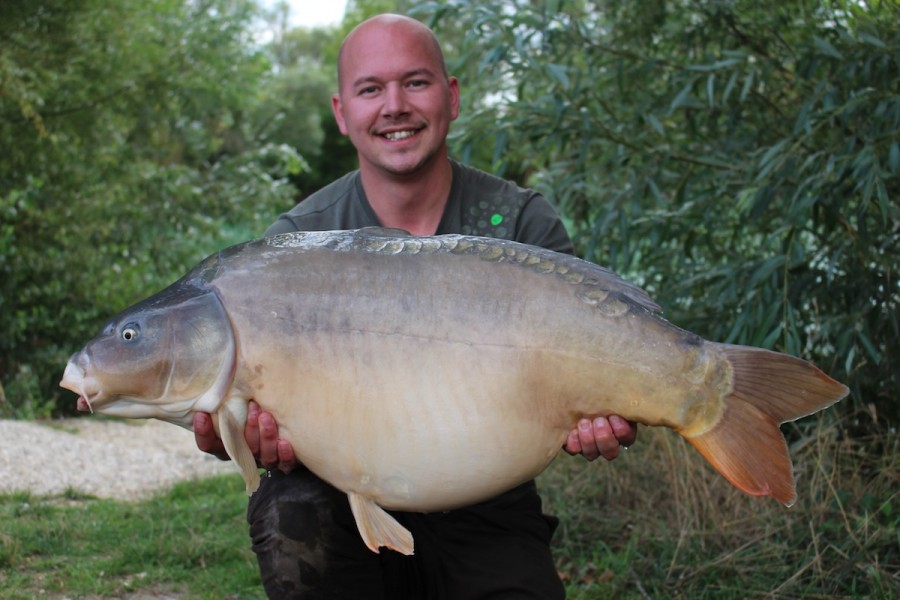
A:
396,103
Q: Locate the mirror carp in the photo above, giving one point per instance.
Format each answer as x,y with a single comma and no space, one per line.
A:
429,373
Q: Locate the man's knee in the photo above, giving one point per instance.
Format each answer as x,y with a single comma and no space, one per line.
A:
291,519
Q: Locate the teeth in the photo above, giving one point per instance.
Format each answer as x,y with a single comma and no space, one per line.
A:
399,135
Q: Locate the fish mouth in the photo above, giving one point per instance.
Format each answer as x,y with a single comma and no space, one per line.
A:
88,388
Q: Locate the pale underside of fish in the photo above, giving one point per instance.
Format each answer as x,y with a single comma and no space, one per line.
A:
430,373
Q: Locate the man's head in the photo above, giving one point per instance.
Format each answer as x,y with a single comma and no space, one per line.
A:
395,101
398,21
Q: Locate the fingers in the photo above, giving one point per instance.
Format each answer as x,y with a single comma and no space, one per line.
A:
268,440
273,452
624,430
251,428
287,461
600,437
573,443
205,436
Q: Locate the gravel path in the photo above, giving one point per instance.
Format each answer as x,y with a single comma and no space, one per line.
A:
126,460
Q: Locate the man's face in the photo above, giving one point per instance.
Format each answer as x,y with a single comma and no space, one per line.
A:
395,102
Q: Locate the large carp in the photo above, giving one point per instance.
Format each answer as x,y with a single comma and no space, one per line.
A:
429,373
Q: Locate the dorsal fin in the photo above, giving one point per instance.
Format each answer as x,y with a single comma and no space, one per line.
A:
384,232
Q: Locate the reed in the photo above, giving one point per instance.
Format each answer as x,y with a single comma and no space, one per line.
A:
658,522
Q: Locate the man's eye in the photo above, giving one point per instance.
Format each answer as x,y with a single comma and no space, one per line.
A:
367,90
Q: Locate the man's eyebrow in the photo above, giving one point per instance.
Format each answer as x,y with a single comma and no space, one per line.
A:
423,72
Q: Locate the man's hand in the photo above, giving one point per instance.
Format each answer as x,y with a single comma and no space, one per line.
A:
261,433
601,437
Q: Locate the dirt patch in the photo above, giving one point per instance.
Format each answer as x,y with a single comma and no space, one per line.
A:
126,460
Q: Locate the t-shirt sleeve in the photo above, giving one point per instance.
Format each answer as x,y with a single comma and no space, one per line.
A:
540,225
339,205
282,225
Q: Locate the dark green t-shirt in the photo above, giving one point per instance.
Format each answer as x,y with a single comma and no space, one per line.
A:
479,204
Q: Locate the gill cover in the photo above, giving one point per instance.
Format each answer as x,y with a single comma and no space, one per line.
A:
165,357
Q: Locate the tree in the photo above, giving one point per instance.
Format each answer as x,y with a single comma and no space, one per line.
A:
125,157
295,107
740,160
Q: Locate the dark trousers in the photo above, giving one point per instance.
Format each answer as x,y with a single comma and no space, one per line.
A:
308,547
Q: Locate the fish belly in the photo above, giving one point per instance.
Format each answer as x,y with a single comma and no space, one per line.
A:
415,425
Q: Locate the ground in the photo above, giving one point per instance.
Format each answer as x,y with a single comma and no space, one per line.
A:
101,457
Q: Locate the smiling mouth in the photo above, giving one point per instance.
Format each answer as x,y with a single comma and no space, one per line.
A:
396,136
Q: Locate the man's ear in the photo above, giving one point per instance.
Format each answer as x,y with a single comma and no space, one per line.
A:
453,83
337,109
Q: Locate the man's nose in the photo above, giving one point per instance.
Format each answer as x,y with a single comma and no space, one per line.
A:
395,104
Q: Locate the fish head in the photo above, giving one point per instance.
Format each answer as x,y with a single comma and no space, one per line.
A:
166,357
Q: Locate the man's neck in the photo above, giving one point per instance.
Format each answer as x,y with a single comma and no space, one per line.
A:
414,203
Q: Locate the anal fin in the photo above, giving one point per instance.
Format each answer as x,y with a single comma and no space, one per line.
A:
378,528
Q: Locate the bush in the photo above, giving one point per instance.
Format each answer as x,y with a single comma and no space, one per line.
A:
739,160
125,159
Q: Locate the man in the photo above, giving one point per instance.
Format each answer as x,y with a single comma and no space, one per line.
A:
396,103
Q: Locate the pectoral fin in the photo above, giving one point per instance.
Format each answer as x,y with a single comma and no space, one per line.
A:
378,528
232,416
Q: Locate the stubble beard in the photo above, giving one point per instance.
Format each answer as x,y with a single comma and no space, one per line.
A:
408,169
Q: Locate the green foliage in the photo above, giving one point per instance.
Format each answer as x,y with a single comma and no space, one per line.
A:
295,104
125,157
740,160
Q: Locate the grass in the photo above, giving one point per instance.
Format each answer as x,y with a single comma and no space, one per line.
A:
656,523
660,523
190,542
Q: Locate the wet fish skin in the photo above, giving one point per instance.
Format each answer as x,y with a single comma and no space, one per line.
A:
428,373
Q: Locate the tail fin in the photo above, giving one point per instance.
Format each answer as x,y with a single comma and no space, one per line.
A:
746,446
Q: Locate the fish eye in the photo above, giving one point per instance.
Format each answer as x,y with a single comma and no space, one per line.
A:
131,332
